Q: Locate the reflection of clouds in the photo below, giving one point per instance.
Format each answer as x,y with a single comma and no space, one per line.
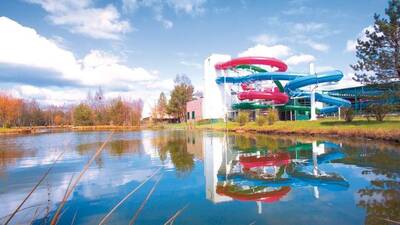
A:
98,182
13,197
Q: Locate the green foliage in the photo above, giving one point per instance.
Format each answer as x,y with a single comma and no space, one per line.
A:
243,118
83,115
378,53
261,119
272,116
347,114
180,95
118,112
379,110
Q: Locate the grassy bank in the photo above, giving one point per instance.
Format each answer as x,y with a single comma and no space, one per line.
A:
388,130
45,129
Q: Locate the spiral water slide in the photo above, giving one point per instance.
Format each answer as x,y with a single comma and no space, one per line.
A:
296,81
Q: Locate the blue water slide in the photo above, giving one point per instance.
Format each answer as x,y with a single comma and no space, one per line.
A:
292,88
297,81
259,77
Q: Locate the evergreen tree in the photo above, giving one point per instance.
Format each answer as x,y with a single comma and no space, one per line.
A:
378,52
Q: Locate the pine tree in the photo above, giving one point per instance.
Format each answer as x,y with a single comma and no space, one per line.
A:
378,52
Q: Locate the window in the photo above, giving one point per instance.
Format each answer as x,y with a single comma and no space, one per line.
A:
193,115
188,115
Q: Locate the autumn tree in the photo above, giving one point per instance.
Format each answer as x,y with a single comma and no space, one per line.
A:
118,112
10,110
162,106
136,110
83,115
180,95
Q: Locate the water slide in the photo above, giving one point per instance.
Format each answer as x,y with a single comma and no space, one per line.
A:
296,81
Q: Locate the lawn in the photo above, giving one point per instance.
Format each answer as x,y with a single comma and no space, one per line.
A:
359,127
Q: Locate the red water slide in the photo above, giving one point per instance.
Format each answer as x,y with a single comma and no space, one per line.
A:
271,95
282,67
249,92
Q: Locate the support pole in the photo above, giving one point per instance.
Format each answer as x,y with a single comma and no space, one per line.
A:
312,97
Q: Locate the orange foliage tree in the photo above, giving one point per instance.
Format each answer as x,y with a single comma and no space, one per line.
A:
10,110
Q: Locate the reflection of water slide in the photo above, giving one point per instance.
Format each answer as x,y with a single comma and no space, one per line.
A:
257,193
274,159
296,81
261,176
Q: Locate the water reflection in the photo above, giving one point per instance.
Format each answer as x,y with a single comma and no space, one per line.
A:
243,176
266,169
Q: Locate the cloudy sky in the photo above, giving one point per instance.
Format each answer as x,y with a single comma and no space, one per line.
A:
57,50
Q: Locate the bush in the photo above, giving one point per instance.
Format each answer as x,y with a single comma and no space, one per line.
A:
379,110
261,119
347,114
243,118
272,116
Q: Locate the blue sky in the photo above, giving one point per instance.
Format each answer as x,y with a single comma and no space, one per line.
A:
57,50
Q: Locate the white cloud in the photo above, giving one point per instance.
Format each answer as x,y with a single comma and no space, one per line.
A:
276,51
351,45
167,24
24,47
264,39
317,46
299,59
319,69
82,17
188,6
308,27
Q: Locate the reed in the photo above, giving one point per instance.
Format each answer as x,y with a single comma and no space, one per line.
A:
104,219
172,218
34,188
134,218
76,181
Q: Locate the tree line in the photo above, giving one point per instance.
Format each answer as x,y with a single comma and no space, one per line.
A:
95,110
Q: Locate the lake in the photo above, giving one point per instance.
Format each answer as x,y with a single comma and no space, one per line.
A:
200,178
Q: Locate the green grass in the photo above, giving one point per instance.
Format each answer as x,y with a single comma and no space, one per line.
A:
359,127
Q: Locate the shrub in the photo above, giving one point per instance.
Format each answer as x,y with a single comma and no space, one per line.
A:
347,114
243,118
379,110
261,119
272,116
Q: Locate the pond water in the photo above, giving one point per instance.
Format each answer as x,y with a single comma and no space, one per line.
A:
205,178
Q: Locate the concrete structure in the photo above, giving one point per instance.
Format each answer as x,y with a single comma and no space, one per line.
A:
217,98
194,110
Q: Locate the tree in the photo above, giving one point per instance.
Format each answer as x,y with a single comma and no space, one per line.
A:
180,95
10,110
378,53
161,107
118,112
83,115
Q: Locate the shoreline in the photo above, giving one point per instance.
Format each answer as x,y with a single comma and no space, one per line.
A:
388,131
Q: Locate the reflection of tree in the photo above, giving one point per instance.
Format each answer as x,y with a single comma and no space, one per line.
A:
381,199
9,154
174,144
114,148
